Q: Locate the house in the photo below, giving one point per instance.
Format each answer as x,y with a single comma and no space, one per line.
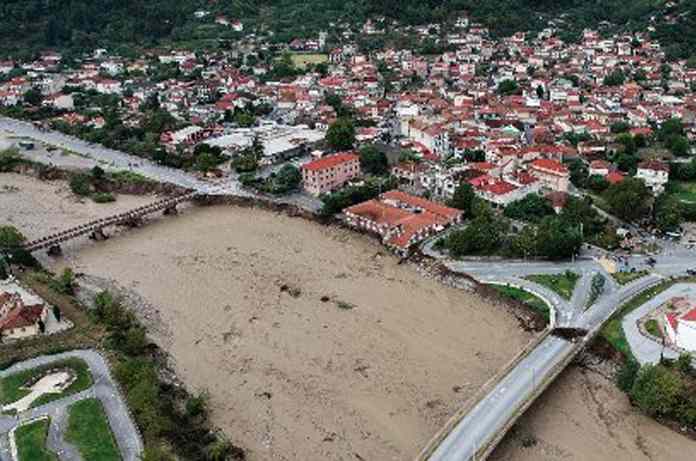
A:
599,168
59,101
330,173
18,318
655,174
552,174
681,328
400,219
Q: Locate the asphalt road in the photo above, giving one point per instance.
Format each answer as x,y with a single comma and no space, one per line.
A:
84,155
482,425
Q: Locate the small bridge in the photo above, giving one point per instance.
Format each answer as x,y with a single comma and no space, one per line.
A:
95,229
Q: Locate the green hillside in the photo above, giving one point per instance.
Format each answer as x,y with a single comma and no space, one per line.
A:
27,26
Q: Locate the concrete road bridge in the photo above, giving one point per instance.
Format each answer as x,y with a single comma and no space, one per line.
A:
96,229
475,431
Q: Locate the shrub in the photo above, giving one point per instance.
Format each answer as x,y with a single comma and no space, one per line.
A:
657,390
627,375
103,197
81,184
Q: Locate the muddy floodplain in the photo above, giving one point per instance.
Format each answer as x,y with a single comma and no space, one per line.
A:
312,341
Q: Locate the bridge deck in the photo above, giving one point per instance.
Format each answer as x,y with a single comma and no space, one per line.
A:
121,218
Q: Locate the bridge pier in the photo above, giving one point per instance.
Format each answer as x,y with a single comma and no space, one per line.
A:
55,250
98,234
171,210
133,221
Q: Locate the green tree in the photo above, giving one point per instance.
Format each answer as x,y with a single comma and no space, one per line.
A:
81,184
597,183
463,198
508,87
483,236
341,134
627,375
668,212
628,143
10,237
65,282
615,78
580,213
629,200
9,158
98,173
657,390
288,178
558,239
670,128
532,208
578,173
33,97
678,145
373,162
526,243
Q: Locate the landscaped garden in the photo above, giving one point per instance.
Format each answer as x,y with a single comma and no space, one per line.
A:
89,430
13,387
652,326
563,284
623,278
31,442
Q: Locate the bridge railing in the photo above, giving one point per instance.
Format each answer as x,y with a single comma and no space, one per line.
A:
120,218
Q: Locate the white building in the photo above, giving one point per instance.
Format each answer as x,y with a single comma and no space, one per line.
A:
681,329
655,175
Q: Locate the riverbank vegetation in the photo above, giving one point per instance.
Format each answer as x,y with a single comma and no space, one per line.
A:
161,408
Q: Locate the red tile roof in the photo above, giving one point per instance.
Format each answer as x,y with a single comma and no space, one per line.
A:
435,208
417,216
550,165
330,161
21,316
615,177
654,165
689,316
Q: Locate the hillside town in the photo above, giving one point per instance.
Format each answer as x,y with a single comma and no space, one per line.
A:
508,116
213,238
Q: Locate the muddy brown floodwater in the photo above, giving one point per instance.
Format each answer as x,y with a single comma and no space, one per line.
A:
251,305
583,416
312,341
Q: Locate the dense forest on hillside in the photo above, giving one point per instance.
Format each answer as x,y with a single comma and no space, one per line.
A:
27,26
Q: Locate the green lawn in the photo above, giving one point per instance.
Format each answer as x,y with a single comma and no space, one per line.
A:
31,442
89,431
684,191
301,60
563,284
527,298
653,327
12,387
624,278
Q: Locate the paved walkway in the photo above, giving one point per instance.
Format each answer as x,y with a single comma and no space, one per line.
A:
104,389
645,349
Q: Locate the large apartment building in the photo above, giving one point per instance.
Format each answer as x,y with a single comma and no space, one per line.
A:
326,174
